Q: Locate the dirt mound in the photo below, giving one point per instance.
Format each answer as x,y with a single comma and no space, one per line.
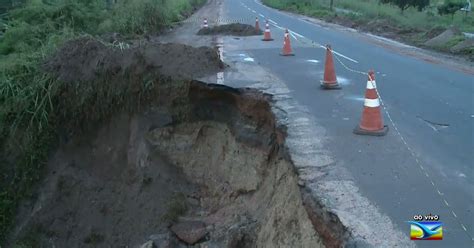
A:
434,32
443,38
466,45
86,59
235,29
208,154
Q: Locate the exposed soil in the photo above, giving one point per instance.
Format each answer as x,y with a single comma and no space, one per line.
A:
193,164
87,59
434,32
443,38
216,147
235,29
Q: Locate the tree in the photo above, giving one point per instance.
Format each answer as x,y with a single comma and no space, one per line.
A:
450,8
405,4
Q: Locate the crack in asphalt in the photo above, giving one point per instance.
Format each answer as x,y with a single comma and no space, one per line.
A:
436,126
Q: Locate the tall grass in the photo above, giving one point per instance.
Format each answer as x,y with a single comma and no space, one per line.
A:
144,16
29,96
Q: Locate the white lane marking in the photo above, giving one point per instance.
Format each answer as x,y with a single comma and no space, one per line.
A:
278,27
295,33
249,59
257,2
292,35
313,60
261,15
255,12
273,22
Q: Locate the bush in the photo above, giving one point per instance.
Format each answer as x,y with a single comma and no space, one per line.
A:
450,8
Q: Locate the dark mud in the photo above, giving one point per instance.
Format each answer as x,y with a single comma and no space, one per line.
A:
88,59
235,29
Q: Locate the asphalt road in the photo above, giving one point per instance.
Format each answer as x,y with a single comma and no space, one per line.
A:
430,101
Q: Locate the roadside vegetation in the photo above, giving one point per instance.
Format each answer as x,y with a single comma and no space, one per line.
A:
30,32
414,21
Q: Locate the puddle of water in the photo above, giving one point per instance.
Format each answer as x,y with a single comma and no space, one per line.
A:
355,98
343,81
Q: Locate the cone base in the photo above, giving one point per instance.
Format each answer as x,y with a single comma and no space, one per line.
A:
381,132
287,54
267,39
330,86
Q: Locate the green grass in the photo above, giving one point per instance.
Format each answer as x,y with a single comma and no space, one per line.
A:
371,9
30,99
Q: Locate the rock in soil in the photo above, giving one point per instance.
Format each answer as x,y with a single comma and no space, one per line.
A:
190,231
235,29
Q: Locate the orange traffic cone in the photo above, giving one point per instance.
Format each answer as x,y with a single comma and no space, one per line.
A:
330,81
287,45
267,36
257,26
371,122
205,23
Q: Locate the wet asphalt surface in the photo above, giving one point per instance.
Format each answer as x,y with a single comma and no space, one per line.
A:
424,167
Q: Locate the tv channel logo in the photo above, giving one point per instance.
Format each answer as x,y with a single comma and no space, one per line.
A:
426,228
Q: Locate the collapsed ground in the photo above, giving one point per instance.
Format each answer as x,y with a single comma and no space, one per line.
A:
106,142
173,163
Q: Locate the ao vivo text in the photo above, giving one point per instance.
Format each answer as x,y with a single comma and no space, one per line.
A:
428,217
